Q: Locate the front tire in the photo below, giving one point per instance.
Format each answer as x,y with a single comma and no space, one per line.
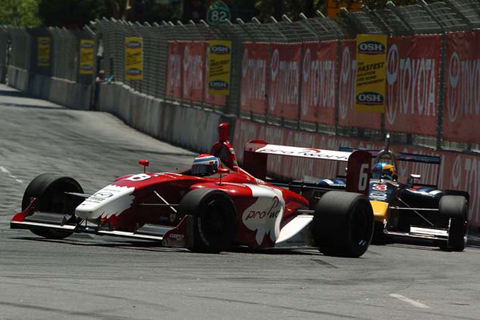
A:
455,208
49,190
343,224
215,219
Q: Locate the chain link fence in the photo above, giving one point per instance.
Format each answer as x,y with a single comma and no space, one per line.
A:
418,19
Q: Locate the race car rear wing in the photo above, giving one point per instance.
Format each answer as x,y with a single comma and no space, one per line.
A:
408,157
358,162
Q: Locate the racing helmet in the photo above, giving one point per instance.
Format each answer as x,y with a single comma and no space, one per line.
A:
384,170
205,165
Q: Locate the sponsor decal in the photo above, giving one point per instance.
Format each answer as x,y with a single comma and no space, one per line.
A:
254,77
371,48
219,67
318,83
218,85
43,51
347,83
379,187
133,58
371,73
87,48
265,215
219,49
284,85
370,98
176,237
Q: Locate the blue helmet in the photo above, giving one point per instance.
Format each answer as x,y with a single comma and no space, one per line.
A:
383,170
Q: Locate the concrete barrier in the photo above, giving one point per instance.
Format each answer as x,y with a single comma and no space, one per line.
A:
18,78
192,128
61,91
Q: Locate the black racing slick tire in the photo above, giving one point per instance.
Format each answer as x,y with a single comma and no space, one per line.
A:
215,219
343,224
455,208
49,190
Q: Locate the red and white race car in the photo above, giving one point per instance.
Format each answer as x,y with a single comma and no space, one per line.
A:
213,205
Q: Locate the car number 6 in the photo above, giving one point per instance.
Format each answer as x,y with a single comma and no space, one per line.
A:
363,178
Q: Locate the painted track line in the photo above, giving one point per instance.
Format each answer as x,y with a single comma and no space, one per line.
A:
410,301
5,170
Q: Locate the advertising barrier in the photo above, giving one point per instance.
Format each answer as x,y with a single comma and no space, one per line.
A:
370,76
284,93
319,82
133,58
348,117
219,60
193,70
412,84
254,77
462,92
43,51
218,101
174,69
86,56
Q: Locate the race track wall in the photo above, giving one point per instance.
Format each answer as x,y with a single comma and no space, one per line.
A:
189,127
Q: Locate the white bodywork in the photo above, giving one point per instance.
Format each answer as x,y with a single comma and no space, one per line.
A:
265,215
109,201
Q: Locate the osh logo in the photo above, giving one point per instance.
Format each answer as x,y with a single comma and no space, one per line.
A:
134,45
219,49
371,48
87,45
44,42
218,85
134,72
370,99
86,67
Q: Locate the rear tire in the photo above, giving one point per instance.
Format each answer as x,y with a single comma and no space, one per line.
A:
49,190
455,208
343,224
215,219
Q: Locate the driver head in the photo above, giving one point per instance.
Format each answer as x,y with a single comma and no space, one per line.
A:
205,165
384,171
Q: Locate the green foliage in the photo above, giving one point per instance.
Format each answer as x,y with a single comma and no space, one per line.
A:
19,13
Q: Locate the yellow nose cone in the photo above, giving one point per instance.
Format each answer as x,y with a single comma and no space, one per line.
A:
379,210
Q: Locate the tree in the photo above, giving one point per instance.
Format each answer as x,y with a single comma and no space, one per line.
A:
22,13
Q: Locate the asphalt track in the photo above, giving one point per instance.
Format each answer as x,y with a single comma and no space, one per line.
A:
87,277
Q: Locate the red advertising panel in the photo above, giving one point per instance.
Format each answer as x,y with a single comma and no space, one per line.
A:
193,79
174,69
462,90
347,116
412,84
254,77
318,82
284,93
217,100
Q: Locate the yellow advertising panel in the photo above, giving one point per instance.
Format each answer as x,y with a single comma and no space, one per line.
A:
133,58
219,67
370,86
86,56
43,51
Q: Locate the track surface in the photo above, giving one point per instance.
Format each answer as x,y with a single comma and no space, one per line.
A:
86,277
